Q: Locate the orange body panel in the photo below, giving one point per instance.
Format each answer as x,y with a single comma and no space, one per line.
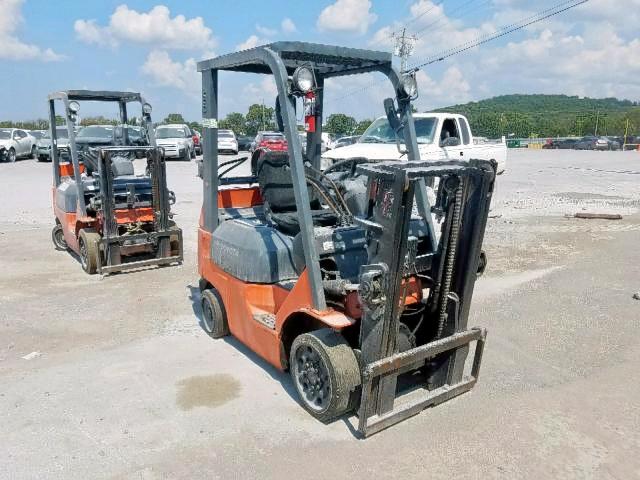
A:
72,224
243,197
134,215
243,300
66,169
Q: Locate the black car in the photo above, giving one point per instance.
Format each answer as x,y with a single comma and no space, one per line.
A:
586,143
244,142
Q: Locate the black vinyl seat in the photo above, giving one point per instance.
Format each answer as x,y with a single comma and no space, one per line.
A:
276,188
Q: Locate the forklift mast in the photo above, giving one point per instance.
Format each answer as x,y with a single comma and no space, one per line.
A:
70,99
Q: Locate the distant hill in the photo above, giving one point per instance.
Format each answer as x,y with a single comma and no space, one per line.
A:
549,115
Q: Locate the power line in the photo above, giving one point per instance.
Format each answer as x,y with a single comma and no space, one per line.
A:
409,22
536,18
500,33
415,19
505,27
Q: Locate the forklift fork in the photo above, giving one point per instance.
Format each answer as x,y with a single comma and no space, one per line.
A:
160,204
392,187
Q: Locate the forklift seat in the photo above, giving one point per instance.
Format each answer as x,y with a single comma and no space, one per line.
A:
276,188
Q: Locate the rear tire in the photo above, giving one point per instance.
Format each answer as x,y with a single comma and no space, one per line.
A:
57,236
192,154
214,316
325,372
88,242
34,153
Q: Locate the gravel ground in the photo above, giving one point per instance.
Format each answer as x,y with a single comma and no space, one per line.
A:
114,378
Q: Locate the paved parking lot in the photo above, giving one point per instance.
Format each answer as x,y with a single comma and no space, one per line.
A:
113,377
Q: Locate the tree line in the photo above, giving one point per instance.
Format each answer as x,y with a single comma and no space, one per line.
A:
550,116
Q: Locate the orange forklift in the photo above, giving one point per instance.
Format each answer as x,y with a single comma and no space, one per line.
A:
111,218
358,278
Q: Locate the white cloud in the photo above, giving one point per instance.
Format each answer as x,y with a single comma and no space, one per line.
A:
88,31
11,47
586,51
251,42
266,89
155,27
165,72
353,16
268,32
288,26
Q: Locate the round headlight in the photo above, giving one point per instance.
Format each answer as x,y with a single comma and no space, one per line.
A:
146,108
409,85
74,107
303,79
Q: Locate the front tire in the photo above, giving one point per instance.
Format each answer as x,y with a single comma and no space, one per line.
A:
325,372
12,155
34,153
89,250
214,316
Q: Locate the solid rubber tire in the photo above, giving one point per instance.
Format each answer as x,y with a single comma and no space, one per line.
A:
344,372
214,316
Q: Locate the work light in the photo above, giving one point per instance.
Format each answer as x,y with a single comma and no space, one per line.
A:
409,85
303,79
74,107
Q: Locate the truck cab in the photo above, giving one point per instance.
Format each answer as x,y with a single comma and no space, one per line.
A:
441,136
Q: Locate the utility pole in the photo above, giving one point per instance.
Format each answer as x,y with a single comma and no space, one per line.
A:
263,127
404,47
595,133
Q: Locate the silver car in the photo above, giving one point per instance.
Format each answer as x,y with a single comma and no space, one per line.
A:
176,140
16,143
43,145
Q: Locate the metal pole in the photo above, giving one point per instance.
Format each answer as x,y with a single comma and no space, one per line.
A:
210,148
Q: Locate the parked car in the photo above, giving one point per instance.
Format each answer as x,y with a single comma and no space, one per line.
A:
441,136
267,140
271,140
607,143
16,143
43,145
344,141
227,142
244,142
586,143
197,141
37,134
565,144
176,140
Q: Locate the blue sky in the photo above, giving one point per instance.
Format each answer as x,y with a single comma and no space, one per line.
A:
152,47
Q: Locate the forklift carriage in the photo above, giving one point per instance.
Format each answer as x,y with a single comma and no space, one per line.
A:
112,219
358,278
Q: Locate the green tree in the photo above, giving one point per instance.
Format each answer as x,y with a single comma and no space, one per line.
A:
259,117
174,118
340,124
234,121
98,120
362,126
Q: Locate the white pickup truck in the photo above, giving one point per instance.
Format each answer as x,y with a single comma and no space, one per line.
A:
441,136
